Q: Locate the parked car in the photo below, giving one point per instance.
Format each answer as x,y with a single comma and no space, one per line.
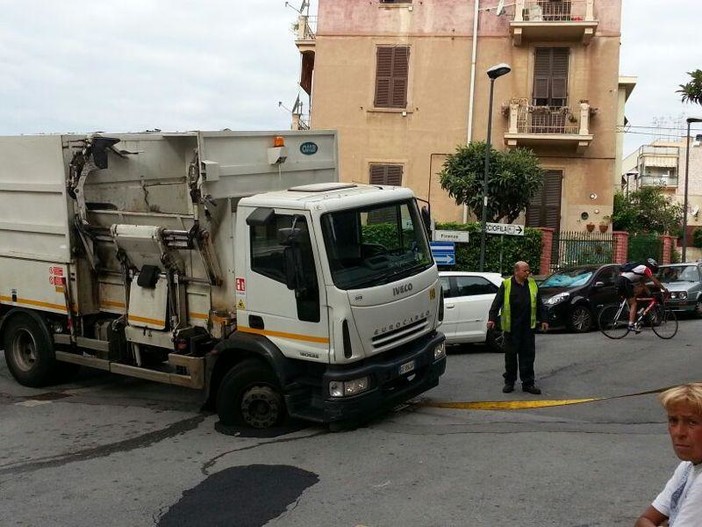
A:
684,281
467,300
574,297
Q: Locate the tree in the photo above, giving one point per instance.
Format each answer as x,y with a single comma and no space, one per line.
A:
692,91
514,178
646,210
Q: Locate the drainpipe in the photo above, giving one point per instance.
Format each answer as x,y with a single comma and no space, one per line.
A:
471,96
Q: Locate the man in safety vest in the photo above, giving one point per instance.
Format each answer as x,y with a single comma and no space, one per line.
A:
519,302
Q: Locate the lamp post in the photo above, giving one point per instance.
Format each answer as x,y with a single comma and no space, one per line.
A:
687,179
494,72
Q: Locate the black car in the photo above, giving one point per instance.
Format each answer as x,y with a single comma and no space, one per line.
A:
574,297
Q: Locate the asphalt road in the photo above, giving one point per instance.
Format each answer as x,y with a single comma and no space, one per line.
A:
107,450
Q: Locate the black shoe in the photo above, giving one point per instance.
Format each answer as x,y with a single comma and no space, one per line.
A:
530,388
508,388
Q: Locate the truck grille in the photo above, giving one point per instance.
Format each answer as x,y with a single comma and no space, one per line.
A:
396,335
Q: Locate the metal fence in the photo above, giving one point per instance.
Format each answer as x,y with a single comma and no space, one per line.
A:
577,248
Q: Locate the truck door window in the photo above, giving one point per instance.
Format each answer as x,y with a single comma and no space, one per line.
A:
267,259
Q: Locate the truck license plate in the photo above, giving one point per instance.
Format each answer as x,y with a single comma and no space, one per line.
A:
407,367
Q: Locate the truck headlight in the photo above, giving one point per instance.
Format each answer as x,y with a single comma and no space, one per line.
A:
348,388
440,351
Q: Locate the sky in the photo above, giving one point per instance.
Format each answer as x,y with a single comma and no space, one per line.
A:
133,65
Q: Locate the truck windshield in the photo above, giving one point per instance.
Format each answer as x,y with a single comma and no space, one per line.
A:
375,245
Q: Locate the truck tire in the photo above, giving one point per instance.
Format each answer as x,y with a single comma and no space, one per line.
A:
29,351
249,395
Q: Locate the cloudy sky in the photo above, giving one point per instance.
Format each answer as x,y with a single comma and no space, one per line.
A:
81,66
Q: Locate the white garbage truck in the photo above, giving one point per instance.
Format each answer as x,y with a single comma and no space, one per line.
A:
235,263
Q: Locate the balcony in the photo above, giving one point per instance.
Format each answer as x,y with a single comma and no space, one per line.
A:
305,30
665,181
548,126
548,20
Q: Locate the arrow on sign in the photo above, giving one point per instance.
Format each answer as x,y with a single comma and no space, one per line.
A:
445,259
504,228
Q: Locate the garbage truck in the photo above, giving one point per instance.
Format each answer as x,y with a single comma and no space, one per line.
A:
235,263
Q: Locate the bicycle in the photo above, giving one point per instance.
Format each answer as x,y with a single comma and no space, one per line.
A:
614,319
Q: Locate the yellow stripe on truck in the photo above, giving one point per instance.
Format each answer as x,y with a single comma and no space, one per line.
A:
285,335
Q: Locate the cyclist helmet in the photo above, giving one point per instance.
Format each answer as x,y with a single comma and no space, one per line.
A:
652,265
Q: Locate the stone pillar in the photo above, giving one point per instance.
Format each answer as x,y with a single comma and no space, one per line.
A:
546,247
621,246
667,250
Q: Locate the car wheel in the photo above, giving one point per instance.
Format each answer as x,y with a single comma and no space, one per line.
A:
580,320
698,309
495,340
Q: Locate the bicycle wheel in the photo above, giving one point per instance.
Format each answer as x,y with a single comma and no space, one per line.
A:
664,323
611,325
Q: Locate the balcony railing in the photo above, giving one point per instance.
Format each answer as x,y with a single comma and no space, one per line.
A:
564,20
542,125
305,28
658,181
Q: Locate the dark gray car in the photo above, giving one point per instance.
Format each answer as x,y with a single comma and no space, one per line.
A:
684,281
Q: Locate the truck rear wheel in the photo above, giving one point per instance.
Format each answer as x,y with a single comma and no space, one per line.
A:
28,351
249,395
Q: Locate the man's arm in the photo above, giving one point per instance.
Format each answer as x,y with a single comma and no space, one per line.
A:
496,306
650,518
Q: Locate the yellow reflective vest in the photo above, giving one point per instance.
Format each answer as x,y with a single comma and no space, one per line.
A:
506,319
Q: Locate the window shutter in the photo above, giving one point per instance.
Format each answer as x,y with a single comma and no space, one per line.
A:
544,210
383,76
559,75
386,175
542,75
551,76
391,76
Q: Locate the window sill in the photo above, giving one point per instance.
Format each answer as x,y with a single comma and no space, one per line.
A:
402,111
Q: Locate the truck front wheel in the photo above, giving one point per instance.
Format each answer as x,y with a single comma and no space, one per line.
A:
28,351
249,395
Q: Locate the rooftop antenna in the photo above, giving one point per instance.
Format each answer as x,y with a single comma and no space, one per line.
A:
304,7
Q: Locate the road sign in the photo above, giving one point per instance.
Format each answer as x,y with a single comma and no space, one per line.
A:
451,236
504,228
444,253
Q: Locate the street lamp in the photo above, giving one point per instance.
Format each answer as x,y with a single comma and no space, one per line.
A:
687,179
494,72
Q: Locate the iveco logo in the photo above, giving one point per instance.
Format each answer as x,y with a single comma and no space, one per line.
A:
401,289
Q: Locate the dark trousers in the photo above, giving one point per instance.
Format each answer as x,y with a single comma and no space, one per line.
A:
520,350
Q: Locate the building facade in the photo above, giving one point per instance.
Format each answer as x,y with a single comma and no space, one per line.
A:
664,164
404,82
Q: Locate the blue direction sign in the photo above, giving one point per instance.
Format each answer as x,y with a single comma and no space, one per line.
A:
444,253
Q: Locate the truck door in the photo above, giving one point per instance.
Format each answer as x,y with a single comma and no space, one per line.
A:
293,316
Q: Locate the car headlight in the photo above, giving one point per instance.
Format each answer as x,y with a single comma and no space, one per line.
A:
349,388
682,295
557,299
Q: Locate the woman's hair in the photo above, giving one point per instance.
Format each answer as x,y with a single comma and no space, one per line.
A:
690,394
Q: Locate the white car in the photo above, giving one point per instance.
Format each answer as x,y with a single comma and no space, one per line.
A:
467,300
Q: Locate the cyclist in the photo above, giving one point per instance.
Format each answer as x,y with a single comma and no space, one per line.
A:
632,283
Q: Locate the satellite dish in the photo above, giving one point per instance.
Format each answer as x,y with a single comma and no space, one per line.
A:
695,211
500,7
